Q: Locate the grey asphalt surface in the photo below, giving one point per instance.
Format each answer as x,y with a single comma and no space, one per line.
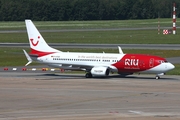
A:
112,46
44,96
174,60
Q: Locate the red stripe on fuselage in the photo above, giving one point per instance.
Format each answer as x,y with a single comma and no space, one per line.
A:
131,63
39,53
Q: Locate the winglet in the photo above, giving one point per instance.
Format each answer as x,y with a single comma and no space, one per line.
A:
120,50
28,58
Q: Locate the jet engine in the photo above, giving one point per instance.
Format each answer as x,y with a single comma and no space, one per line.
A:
100,71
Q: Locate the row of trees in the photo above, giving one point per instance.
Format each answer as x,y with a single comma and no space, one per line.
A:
63,10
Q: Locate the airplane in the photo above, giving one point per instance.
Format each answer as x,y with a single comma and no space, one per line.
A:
94,64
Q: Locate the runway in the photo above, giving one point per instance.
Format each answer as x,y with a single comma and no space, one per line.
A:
54,96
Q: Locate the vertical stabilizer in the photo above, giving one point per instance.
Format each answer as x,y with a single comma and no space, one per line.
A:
37,43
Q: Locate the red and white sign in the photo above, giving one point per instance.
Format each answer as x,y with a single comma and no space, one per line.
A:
165,32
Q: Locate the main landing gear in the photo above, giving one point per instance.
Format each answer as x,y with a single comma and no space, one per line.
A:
88,75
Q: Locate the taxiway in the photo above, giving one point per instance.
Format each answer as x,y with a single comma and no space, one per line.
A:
54,96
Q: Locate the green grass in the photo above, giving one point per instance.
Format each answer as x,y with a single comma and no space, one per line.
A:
90,24
100,36
113,37
9,54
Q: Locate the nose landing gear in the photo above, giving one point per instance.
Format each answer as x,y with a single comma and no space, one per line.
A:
158,76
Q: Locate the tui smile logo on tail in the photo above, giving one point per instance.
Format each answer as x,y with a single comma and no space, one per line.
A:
32,41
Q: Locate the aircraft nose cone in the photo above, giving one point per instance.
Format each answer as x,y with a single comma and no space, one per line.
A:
171,66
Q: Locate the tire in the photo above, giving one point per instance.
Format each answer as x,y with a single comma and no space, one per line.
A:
157,77
88,75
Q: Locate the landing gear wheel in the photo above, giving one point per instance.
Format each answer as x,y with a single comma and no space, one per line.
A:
88,75
157,77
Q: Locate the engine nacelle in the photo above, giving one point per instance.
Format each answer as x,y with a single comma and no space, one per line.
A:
100,71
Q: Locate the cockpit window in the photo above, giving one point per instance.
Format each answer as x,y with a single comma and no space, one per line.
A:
163,61
160,61
166,61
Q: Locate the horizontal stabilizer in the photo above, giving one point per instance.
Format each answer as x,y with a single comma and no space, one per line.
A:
28,58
